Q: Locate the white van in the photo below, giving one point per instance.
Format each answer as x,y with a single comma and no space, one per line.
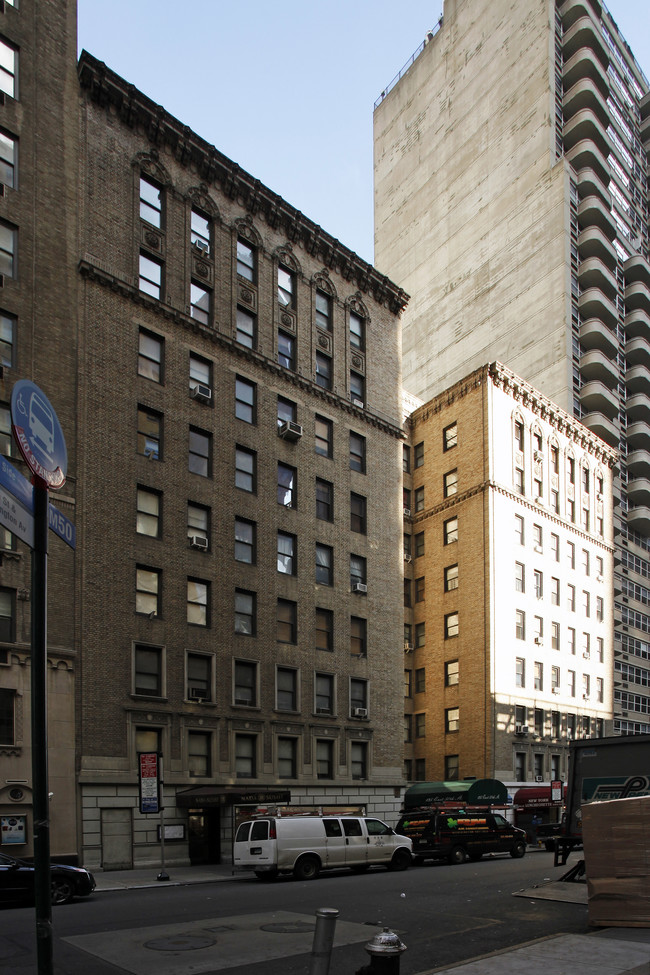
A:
305,845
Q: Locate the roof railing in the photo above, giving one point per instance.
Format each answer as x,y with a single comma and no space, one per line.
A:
389,87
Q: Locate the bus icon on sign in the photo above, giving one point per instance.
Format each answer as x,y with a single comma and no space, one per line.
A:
38,433
41,423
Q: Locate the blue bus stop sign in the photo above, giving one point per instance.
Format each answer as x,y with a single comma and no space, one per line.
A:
38,433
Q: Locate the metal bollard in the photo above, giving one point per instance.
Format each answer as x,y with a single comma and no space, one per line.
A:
384,950
321,951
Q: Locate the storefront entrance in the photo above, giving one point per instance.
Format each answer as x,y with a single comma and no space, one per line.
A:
204,835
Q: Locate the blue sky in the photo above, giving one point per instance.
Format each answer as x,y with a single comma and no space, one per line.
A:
285,91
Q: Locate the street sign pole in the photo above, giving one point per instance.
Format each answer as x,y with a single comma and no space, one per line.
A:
42,892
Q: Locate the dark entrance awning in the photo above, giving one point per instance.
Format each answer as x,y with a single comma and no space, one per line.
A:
229,795
470,792
537,798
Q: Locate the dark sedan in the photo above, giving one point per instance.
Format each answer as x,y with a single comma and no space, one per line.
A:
17,881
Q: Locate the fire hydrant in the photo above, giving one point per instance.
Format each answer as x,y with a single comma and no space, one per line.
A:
384,950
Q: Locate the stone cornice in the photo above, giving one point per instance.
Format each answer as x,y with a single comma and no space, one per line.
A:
163,131
92,272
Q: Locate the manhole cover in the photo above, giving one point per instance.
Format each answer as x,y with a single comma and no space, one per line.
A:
288,927
179,942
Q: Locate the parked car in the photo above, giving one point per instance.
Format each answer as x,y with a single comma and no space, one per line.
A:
458,834
17,881
305,845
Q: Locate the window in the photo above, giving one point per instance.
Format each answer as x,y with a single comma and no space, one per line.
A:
286,287
450,484
585,518
149,433
452,773
571,555
245,687
571,639
324,635
555,636
451,673
599,567
199,677
323,311
586,645
599,690
324,694
419,634
520,672
418,455
520,766
287,751
287,484
407,548
600,649
147,591
7,339
519,481
520,577
246,261
246,333
8,249
420,769
419,590
556,725
420,680
197,602
287,411
286,629
452,719
538,719
406,501
519,435
357,452
451,625
150,198
245,400
555,547
538,680
586,686
555,591
245,541
358,694
150,280
8,159
599,609
555,678
198,753
198,525
286,692
358,570
200,232
450,436
286,350
357,332
520,624
357,388
450,531
324,568
358,636
7,719
324,500
286,555
359,760
148,512
537,538
571,681
571,598
147,671
200,302
519,529
200,453
245,763
358,518
408,728
419,499
586,603
408,683
420,725
324,759
585,561
245,612
406,459
323,371
150,356
538,579
419,545
407,592
200,373
245,469
323,438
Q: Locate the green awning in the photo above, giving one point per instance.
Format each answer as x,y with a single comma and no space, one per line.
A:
470,792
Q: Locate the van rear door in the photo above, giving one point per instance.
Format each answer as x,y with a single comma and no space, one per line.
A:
253,848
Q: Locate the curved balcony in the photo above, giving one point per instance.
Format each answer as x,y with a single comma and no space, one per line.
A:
593,242
593,273
637,268
603,427
637,407
583,64
587,155
596,397
637,295
572,9
592,211
637,352
637,322
585,33
638,463
594,303
596,335
637,380
596,365
639,519
638,490
585,124
638,435
585,94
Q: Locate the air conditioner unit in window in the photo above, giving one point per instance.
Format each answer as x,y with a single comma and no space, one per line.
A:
408,559
555,690
196,694
521,729
357,402
323,711
360,712
202,246
290,431
539,455
408,647
201,392
198,541
242,700
539,500
407,512
539,778
359,587
585,697
538,640
586,654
